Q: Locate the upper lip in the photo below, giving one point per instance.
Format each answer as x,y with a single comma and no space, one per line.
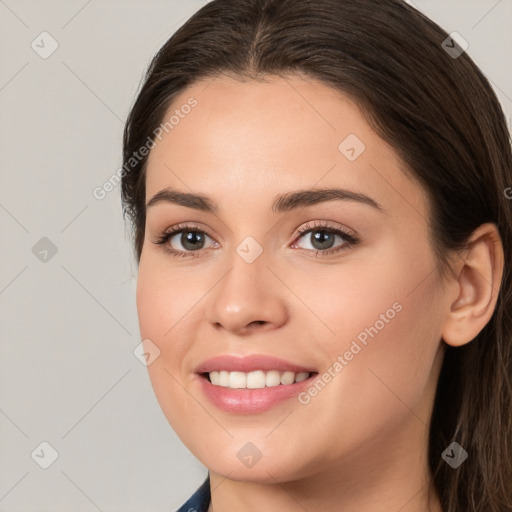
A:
250,363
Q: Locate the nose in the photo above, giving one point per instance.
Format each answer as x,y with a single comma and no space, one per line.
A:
249,298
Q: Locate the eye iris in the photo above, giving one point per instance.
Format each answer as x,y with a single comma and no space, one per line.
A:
321,236
187,240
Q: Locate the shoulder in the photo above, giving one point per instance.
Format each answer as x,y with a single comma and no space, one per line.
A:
200,500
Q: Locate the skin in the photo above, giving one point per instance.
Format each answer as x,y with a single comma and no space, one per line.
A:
360,443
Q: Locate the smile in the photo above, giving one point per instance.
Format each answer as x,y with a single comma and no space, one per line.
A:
256,379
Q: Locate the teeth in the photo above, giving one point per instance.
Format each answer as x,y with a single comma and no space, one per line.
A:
255,380
288,378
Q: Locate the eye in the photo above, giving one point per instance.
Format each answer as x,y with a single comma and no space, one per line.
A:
322,238
190,237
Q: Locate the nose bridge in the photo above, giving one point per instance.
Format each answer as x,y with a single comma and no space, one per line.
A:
247,294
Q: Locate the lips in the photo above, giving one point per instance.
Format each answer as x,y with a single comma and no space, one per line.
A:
281,383
250,363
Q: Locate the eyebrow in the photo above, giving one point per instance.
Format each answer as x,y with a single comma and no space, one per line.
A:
282,203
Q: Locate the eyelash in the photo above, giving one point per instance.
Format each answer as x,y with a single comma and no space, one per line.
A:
350,239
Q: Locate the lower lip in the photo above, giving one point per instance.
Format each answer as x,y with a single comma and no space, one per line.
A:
249,401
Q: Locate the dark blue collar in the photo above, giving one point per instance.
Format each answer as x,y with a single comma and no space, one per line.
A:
200,500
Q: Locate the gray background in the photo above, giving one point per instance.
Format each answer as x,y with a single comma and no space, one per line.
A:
68,326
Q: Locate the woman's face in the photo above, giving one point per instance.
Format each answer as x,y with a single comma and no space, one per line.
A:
342,285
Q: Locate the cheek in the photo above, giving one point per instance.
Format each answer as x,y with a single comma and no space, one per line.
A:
387,334
152,300
165,304
162,308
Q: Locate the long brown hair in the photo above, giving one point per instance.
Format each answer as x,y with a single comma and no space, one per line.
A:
443,119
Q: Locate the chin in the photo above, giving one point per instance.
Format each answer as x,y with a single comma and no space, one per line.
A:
266,470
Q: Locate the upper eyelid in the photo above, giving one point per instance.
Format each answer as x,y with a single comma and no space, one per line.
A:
326,225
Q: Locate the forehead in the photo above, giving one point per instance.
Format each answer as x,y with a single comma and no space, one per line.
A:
272,136
272,120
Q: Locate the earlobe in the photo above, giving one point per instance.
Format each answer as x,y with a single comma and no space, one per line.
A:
480,271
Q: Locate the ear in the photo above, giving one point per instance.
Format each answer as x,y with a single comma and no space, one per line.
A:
478,276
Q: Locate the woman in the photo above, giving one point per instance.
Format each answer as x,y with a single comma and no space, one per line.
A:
323,233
